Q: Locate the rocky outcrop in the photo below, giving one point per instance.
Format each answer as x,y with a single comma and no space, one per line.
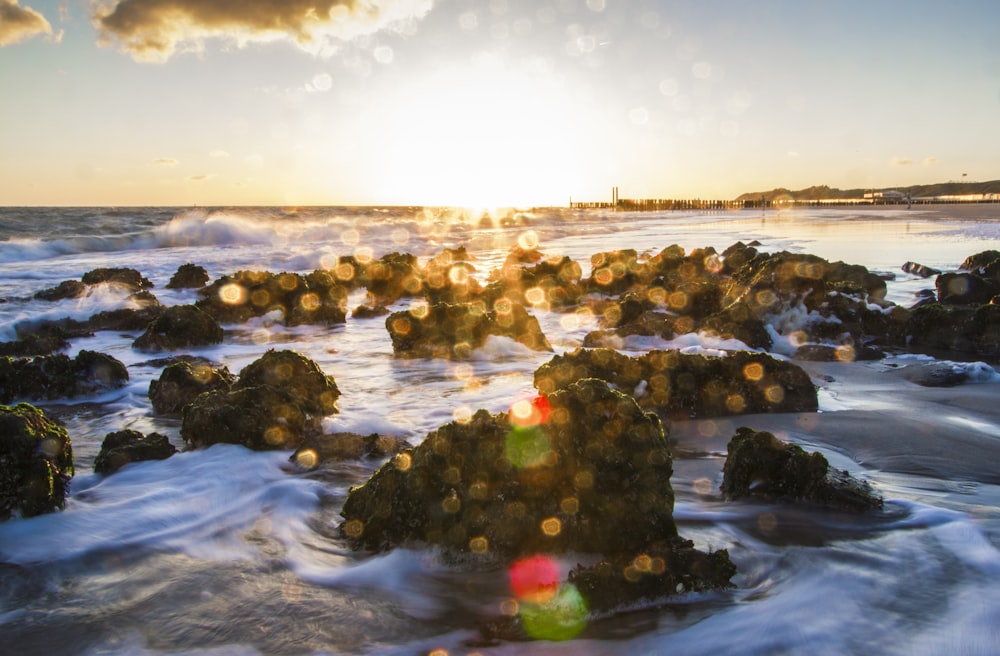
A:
179,326
57,376
127,446
275,403
65,289
454,331
584,470
120,275
181,382
323,451
317,298
188,276
36,462
680,385
966,329
760,465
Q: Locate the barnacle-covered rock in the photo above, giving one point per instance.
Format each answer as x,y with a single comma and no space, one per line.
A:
127,446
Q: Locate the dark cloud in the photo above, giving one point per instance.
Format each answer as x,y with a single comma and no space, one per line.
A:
18,23
154,30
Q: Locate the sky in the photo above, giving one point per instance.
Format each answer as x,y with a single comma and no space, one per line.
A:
488,103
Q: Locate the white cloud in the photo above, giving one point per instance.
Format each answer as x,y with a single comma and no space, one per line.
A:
164,161
901,161
218,154
930,161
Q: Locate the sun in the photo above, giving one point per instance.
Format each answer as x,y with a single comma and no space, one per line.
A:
478,136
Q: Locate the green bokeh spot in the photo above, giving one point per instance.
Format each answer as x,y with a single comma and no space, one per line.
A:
526,447
563,618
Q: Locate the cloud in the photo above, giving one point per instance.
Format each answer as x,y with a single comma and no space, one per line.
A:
218,154
154,30
201,178
901,161
930,161
164,161
18,23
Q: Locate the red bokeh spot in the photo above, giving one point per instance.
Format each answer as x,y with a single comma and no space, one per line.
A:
535,579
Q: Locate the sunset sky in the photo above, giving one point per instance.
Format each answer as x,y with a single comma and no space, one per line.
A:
488,102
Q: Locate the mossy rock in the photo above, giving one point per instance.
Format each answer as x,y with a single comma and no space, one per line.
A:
123,447
188,276
454,331
317,298
57,376
594,478
181,382
128,277
323,451
758,464
180,326
955,328
682,385
36,462
277,401
65,289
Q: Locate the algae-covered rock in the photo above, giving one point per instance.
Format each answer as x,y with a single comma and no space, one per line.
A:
188,276
276,402
956,328
319,451
36,462
585,471
317,298
454,331
177,327
65,289
181,382
682,385
127,446
120,275
965,288
758,464
57,376
664,570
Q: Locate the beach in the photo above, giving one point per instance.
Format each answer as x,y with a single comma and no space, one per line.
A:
225,550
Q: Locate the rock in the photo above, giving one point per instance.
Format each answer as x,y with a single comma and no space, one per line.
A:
584,471
369,312
593,478
983,263
670,569
120,275
681,385
188,276
181,382
179,326
318,298
316,392
552,282
321,451
277,401
614,272
965,289
454,331
58,376
445,281
126,446
125,319
391,277
36,462
43,343
65,289
760,465
259,418
841,353
919,270
956,328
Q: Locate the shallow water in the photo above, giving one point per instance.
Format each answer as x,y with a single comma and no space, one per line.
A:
226,551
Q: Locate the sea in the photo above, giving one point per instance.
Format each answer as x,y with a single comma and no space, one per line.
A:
230,552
